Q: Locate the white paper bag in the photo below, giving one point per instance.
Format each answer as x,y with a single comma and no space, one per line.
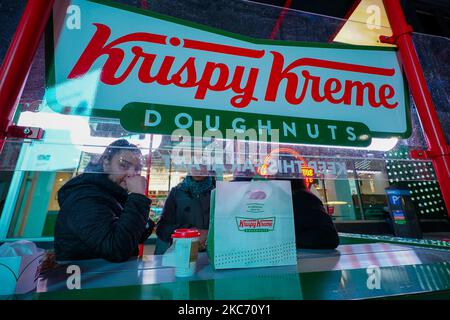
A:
251,225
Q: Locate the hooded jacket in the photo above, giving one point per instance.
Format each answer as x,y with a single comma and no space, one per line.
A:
99,219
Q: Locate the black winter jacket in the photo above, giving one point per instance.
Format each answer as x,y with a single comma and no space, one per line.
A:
314,228
99,219
183,210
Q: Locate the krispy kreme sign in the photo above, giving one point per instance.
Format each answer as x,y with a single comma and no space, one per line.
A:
255,225
157,74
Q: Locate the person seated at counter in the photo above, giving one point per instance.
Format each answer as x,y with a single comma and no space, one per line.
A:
314,228
104,211
187,206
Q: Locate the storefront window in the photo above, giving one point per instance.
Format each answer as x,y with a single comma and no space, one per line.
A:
350,180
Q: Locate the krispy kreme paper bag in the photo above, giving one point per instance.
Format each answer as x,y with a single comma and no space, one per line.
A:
251,225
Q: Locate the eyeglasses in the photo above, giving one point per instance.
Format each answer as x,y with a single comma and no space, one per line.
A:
126,165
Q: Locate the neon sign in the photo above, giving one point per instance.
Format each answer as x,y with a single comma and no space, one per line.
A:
307,172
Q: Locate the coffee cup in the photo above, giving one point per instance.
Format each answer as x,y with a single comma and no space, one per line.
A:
186,243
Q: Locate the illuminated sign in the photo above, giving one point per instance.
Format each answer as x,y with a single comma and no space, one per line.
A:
268,167
157,74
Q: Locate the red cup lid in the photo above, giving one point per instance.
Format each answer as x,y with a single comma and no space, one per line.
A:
186,233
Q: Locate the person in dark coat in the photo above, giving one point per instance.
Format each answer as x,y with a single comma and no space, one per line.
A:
104,212
314,228
187,206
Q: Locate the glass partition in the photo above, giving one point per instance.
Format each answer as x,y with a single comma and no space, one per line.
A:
434,56
350,180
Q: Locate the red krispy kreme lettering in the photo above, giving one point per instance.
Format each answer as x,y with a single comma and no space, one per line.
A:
331,87
97,47
207,76
255,223
265,223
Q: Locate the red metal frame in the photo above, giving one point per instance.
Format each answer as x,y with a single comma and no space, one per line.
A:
286,7
438,150
16,65
144,4
25,132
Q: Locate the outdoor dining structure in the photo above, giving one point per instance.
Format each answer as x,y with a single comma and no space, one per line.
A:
245,92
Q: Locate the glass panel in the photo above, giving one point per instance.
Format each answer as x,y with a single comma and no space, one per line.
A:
349,180
434,56
10,16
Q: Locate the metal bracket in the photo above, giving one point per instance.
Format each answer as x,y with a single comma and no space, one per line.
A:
387,39
25,132
393,39
419,154
427,155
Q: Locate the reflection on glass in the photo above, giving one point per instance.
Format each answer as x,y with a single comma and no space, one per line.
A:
31,171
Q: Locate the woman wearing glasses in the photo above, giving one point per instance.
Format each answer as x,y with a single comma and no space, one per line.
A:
104,211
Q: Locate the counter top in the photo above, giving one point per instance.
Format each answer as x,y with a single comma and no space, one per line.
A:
352,271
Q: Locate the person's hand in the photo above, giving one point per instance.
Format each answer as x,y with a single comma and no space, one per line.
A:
202,239
136,184
155,218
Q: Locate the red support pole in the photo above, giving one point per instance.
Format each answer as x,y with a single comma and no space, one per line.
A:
438,149
16,65
274,32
